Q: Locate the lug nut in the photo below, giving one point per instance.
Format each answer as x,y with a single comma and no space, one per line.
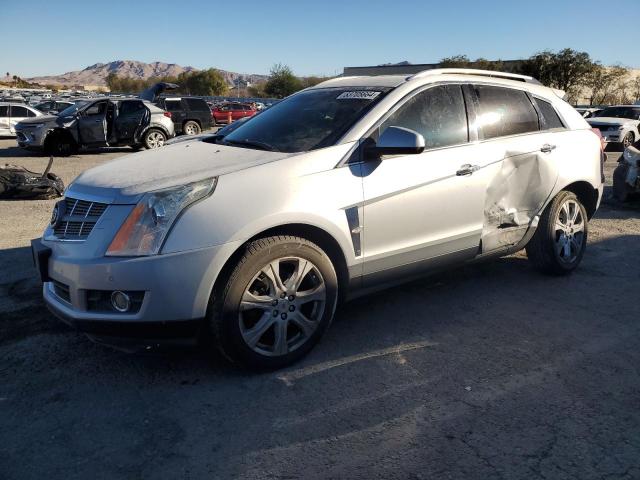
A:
291,297
283,295
283,316
275,313
291,308
274,303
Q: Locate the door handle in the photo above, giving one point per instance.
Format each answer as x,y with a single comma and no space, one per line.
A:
467,169
547,148
97,121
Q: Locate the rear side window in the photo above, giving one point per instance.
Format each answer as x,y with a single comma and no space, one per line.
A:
172,105
197,105
19,112
131,108
4,110
31,113
438,114
504,111
549,118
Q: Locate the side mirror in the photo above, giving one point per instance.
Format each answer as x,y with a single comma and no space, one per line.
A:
399,141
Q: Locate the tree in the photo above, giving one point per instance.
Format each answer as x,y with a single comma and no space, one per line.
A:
462,61
607,85
208,82
566,70
282,82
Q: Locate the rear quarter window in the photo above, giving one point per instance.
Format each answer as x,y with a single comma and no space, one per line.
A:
504,111
197,105
4,110
549,118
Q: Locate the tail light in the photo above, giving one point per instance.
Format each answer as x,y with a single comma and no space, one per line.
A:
603,142
167,114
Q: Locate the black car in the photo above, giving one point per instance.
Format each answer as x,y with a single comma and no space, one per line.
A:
98,122
190,115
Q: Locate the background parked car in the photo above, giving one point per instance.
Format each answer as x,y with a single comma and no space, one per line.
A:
237,110
97,123
618,124
189,115
588,112
53,106
11,114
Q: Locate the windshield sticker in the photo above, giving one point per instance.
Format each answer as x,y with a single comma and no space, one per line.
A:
358,95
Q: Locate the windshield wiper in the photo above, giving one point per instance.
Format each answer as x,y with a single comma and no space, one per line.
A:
251,143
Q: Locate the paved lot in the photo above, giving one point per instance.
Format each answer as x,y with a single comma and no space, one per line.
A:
490,371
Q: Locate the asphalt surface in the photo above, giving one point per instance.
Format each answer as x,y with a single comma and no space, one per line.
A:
489,371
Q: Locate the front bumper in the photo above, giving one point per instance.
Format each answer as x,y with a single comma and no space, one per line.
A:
31,138
175,290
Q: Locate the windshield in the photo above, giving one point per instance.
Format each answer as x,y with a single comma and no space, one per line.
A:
306,121
620,112
72,109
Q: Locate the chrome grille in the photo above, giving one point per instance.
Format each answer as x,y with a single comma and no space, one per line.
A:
80,216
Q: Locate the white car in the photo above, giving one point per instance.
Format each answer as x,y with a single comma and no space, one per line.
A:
251,238
618,124
12,113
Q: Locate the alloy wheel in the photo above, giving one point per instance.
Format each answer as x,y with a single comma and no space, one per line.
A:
569,231
155,140
282,306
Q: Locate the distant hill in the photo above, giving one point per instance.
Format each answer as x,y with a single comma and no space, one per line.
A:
97,74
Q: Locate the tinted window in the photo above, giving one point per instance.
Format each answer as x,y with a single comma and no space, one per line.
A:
131,108
308,120
97,109
44,106
4,110
19,112
549,117
438,114
197,105
504,111
173,105
620,112
61,106
31,113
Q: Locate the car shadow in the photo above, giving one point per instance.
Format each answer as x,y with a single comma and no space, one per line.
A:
424,308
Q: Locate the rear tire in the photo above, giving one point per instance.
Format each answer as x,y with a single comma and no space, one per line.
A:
621,190
154,138
277,303
191,128
560,240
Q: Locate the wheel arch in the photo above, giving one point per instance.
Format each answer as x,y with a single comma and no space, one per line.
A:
586,193
54,132
315,234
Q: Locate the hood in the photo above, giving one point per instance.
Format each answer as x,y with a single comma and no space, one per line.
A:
125,179
40,119
151,94
610,121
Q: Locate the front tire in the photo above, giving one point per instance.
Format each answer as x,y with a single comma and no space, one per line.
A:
560,240
191,128
154,138
276,304
60,145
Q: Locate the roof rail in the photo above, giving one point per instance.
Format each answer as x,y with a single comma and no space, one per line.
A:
473,71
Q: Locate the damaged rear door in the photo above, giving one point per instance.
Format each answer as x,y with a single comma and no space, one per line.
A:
508,123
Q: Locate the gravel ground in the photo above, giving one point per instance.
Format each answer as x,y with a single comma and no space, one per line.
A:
489,371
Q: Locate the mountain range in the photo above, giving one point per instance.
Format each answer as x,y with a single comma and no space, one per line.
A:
97,74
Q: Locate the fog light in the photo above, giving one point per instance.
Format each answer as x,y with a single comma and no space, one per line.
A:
120,301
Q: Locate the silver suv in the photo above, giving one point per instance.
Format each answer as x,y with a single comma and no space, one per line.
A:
252,239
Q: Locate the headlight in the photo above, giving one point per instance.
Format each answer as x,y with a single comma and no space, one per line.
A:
147,225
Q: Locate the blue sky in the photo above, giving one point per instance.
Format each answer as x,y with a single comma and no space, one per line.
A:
318,37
